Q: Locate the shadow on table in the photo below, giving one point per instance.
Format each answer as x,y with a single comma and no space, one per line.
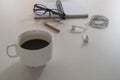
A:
18,71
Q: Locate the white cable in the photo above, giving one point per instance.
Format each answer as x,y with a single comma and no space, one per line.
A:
98,21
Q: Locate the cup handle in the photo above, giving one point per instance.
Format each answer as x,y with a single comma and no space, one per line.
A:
8,47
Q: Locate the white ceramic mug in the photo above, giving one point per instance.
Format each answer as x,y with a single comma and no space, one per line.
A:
32,58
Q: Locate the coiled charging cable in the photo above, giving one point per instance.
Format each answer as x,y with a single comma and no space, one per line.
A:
97,21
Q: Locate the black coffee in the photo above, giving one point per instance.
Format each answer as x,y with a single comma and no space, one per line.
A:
34,44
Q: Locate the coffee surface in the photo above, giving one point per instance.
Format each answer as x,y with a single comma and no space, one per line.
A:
34,44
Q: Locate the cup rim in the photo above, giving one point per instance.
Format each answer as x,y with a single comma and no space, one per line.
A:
35,30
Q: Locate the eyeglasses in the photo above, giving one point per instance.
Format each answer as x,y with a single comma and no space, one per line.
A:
55,14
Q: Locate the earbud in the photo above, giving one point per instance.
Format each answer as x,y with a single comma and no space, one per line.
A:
85,38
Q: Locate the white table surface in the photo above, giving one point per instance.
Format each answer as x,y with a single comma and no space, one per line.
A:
98,60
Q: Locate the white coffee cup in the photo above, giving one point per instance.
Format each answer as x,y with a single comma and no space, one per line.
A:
32,58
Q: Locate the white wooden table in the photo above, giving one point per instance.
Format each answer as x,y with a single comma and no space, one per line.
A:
98,60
